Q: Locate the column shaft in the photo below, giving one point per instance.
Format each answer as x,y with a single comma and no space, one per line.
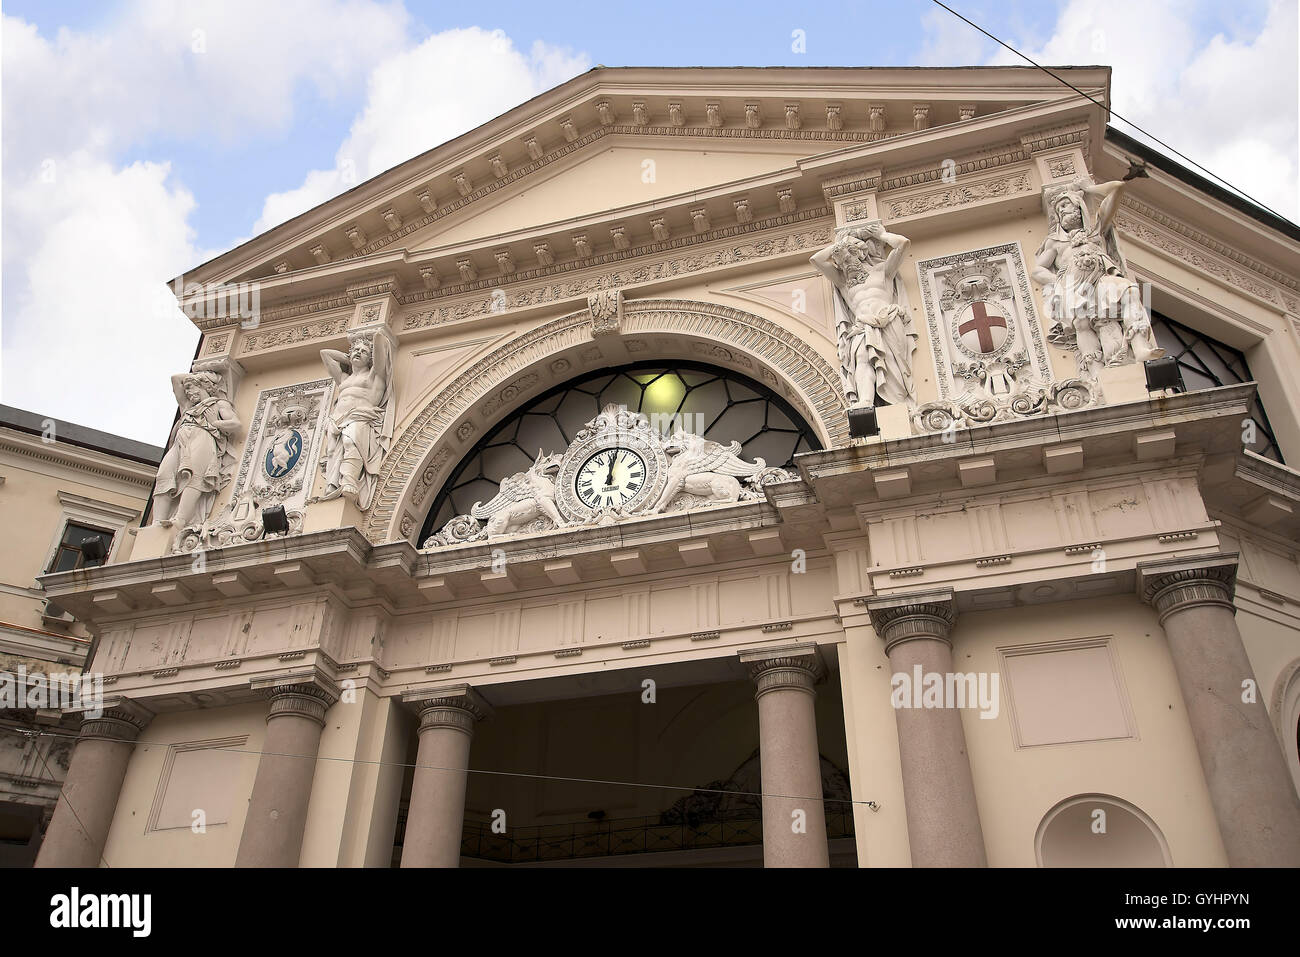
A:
435,818
88,799
943,822
277,809
794,817
1251,790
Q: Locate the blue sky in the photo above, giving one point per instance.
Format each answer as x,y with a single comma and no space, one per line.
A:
131,140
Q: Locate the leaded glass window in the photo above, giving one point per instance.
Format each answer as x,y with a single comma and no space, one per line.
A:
721,406
1206,363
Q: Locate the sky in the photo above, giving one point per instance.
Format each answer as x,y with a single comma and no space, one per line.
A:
140,138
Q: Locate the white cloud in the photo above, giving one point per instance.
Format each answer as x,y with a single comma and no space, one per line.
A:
92,334
88,332
449,84
1230,105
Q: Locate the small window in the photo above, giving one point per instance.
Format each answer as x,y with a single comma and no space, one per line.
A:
70,554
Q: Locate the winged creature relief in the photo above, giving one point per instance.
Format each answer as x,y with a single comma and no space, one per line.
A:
523,499
706,470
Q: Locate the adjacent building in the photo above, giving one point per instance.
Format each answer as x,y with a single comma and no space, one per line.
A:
61,486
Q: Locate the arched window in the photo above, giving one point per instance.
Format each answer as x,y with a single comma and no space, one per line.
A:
720,405
1099,830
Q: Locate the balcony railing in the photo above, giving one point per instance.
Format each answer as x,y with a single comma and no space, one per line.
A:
632,835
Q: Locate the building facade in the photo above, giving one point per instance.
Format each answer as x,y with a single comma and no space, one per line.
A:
723,467
60,485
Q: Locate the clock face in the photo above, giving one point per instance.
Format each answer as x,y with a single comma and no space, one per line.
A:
610,478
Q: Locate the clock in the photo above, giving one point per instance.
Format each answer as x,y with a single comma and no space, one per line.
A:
616,463
610,478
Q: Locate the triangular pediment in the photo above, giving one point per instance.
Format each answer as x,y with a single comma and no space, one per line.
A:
579,149
630,170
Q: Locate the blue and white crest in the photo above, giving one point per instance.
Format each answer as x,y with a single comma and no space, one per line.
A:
283,455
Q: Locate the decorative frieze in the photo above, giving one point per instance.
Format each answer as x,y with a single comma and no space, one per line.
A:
642,272
293,335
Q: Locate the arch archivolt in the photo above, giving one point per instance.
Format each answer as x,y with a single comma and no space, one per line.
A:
452,420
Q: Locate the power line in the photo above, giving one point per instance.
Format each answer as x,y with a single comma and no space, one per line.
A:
555,777
35,735
1111,112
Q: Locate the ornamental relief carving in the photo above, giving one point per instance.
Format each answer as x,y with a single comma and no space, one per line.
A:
306,332
578,288
1009,185
1186,254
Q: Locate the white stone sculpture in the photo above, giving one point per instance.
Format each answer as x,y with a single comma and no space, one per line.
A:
198,463
1094,307
524,498
706,470
875,333
359,428
618,467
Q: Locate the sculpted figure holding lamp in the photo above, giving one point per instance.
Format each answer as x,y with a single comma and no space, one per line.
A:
1094,307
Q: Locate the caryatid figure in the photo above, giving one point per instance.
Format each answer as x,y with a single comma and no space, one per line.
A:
875,334
359,428
198,463
1087,295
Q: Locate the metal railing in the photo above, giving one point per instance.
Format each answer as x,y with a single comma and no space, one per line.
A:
632,835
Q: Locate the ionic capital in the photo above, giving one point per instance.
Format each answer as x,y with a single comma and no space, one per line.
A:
913,616
450,706
304,693
119,719
1176,584
787,667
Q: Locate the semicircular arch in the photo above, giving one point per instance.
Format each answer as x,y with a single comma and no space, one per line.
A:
447,426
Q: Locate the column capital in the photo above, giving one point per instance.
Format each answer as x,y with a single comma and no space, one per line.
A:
914,615
119,719
796,667
1175,584
302,693
447,706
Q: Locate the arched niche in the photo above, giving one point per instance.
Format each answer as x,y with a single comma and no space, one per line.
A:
449,424
1285,712
1071,834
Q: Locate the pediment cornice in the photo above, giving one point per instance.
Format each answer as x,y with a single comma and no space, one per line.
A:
804,191
827,108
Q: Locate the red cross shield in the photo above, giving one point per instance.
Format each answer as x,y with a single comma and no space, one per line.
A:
982,327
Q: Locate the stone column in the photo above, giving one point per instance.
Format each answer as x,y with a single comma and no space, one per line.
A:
435,819
1254,799
88,798
788,754
277,810
943,821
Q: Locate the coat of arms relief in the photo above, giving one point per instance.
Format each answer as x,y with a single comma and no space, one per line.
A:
276,468
988,346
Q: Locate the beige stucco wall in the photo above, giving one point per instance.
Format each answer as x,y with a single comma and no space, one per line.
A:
131,843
